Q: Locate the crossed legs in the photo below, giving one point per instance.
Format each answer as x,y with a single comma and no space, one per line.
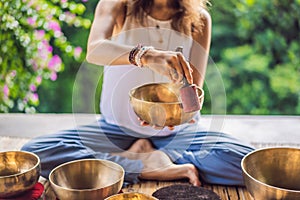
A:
157,164
215,157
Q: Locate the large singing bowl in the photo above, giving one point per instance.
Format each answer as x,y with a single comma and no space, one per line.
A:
19,172
272,173
86,179
159,104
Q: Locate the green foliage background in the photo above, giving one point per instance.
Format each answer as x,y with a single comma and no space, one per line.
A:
255,45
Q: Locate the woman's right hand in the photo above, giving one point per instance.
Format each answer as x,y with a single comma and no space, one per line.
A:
168,63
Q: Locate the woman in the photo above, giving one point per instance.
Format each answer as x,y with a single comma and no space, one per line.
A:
135,41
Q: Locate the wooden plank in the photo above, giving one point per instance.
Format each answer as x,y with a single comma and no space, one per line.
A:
232,193
244,194
219,191
12,143
148,187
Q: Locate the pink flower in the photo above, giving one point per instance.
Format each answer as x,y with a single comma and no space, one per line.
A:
53,25
29,2
6,90
32,87
34,97
38,79
31,21
53,76
50,48
70,17
63,1
55,60
33,64
39,34
13,73
77,52
84,0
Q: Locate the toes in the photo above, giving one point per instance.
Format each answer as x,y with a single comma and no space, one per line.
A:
193,175
195,182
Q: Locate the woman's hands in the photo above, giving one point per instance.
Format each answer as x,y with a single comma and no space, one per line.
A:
168,63
171,128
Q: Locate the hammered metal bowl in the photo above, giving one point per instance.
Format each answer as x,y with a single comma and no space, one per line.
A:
86,179
273,173
19,172
131,196
159,104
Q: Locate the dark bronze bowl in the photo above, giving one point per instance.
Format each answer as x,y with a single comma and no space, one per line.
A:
19,172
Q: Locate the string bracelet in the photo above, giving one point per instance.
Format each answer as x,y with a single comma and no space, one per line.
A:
137,53
140,54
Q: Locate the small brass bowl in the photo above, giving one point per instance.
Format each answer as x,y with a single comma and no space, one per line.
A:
131,196
86,179
159,104
273,173
19,172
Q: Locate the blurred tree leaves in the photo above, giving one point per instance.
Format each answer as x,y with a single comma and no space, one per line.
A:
31,46
255,45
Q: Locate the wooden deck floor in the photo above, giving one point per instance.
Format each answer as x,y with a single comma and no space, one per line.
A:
148,187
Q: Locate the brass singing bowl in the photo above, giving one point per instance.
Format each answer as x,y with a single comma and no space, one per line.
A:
273,173
86,179
19,172
159,104
131,196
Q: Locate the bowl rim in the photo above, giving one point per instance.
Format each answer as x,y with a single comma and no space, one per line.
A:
160,83
262,183
27,170
81,160
120,194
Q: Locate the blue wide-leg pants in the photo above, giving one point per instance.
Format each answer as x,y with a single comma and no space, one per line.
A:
216,155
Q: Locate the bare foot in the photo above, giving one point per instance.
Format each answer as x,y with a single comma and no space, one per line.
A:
158,165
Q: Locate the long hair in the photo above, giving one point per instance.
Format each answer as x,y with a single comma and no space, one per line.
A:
186,20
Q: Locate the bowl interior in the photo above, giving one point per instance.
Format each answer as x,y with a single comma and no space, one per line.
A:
16,162
277,167
162,93
86,174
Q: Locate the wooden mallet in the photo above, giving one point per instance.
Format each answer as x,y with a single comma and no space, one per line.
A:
188,93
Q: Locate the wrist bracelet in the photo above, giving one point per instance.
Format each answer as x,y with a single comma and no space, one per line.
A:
140,53
136,54
133,53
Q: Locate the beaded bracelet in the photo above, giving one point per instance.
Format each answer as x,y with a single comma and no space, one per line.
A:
133,53
136,54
